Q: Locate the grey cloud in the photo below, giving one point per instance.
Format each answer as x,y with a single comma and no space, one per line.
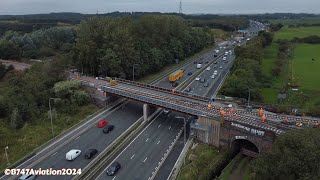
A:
189,6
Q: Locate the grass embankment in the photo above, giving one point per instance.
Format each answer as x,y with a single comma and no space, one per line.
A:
309,20
270,55
23,141
300,32
237,169
207,159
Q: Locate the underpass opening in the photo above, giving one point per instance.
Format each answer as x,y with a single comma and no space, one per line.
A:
244,146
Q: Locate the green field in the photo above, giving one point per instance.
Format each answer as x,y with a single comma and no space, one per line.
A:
310,20
305,71
290,33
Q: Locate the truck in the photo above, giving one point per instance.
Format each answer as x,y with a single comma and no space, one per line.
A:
199,66
175,75
113,82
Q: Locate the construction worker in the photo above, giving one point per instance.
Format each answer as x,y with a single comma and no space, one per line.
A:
209,106
263,118
236,116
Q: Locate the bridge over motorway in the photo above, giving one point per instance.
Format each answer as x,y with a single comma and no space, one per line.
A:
215,125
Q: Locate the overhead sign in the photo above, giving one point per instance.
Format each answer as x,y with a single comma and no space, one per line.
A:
251,130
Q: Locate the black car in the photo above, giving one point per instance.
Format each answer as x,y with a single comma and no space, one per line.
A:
226,62
90,153
175,84
202,80
195,62
215,55
189,73
113,168
200,62
207,62
108,129
206,85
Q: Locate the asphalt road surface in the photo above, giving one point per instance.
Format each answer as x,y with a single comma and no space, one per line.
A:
140,158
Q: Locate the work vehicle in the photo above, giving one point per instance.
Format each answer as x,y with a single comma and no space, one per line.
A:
108,129
208,68
102,123
199,66
113,82
175,75
90,153
175,84
113,168
73,154
27,177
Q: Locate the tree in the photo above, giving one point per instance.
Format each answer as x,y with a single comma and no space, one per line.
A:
16,119
294,155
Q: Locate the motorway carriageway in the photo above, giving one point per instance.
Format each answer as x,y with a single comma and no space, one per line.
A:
140,158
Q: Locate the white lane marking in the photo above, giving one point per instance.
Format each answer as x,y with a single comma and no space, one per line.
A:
158,142
103,172
79,127
145,159
77,138
132,156
114,177
159,125
170,127
147,139
54,154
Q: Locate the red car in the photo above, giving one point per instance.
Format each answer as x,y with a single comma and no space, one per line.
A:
102,123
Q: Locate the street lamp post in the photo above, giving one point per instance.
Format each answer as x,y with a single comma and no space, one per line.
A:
5,150
133,71
185,135
51,117
249,97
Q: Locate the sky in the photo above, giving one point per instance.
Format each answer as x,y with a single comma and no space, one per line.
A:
12,7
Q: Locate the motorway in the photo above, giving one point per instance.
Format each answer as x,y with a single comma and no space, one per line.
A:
198,87
140,158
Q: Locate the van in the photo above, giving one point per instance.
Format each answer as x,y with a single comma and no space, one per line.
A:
199,66
73,154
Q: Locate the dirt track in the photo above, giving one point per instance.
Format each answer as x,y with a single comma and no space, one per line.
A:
16,65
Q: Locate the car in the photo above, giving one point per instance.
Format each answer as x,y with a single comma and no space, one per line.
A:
90,153
198,78
208,68
215,66
113,168
175,84
182,69
288,122
206,85
202,80
102,123
188,89
73,154
195,62
207,62
200,62
189,73
215,62
220,67
224,58
226,62
27,177
108,129
166,111
213,76
215,55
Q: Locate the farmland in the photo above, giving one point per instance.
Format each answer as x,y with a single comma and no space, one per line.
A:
289,33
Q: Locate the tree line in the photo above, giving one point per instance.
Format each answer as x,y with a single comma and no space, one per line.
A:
246,72
111,46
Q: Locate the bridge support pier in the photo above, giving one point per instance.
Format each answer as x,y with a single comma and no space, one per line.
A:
145,112
207,130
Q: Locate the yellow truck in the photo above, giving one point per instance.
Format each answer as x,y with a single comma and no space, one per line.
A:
176,75
113,82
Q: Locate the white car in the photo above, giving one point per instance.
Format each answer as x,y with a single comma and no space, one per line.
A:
73,154
220,67
224,58
198,78
215,72
213,76
166,111
208,68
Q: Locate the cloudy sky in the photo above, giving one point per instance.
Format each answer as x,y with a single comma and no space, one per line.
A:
189,6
